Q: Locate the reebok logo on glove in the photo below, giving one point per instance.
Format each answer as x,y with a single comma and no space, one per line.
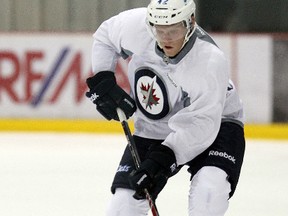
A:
141,179
93,97
129,103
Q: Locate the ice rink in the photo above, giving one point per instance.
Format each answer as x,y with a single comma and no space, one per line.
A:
53,174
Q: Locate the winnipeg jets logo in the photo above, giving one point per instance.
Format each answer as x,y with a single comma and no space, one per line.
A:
162,1
149,96
93,97
230,87
123,168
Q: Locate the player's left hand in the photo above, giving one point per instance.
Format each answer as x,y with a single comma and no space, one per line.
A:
153,172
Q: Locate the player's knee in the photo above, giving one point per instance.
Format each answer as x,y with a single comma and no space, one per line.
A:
209,192
123,204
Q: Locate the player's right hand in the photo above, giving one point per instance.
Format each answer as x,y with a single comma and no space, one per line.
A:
142,179
154,171
108,96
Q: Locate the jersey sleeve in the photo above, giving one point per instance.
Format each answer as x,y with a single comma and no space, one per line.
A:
195,127
105,50
117,37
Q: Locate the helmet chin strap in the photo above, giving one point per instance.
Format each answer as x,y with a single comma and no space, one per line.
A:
188,35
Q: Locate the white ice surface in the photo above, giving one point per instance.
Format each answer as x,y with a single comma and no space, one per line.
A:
70,175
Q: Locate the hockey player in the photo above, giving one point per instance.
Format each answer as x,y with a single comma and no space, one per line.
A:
187,112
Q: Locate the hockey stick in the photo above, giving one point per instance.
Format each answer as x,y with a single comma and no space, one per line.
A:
135,156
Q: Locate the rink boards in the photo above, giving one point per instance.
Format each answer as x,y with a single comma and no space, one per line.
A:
265,131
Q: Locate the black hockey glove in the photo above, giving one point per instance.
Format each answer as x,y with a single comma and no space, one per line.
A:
107,95
153,172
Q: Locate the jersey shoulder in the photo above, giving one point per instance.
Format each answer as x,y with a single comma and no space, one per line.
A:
133,15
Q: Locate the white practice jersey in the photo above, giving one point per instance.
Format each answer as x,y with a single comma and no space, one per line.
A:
181,100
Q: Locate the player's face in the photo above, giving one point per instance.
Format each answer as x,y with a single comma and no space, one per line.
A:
170,37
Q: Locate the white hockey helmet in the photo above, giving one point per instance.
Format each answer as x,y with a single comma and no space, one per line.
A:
167,12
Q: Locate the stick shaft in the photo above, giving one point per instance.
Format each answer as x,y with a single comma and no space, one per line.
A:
135,156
